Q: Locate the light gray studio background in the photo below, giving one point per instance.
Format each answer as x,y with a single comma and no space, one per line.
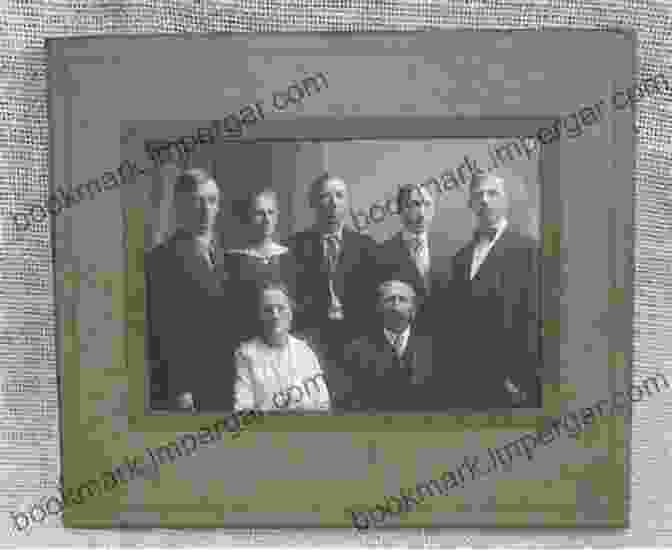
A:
27,349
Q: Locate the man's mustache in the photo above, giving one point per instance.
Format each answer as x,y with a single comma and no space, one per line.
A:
398,315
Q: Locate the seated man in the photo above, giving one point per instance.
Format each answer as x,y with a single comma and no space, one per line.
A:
390,368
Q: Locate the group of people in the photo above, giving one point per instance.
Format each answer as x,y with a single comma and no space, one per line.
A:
379,324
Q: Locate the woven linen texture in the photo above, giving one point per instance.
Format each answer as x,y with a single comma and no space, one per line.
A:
30,454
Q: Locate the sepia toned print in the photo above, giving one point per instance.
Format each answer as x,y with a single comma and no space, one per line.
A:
263,309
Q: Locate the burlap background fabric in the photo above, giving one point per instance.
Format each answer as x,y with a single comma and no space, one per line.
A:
29,464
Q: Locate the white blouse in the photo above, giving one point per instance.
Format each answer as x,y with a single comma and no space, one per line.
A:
269,378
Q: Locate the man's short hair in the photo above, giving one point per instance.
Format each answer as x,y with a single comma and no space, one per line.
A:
406,191
389,282
318,184
189,180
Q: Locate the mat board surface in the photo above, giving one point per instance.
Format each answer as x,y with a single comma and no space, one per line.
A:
26,266
243,481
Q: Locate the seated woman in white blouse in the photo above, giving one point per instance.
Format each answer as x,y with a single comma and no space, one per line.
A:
274,368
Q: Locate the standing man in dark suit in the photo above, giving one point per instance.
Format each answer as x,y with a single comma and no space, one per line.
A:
407,256
335,267
189,338
495,294
390,368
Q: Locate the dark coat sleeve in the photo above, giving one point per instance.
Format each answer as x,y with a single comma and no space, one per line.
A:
364,283
527,317
352,379
157,375
303,280
162,340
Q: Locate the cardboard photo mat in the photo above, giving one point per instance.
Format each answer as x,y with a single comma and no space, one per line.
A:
308,470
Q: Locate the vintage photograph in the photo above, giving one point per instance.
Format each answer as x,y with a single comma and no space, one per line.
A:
358,276
291,295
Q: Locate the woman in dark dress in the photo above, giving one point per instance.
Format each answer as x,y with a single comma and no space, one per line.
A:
261,260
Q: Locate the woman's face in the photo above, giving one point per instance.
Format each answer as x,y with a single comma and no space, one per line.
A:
264,215
276,313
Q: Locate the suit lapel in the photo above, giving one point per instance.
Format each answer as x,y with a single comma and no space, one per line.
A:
347,253
413,357
348,257
494,256
426,281
408,359
310,254
418,358
380,354
463,263
385,355
313,248
220,269
197,266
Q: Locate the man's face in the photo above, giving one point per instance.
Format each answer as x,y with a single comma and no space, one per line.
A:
199,209
488,200
417,213
264,215
276,313
397,305
331,203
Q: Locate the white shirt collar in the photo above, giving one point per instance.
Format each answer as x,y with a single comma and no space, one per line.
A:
338,233
502,224
407,236
204,244
404,337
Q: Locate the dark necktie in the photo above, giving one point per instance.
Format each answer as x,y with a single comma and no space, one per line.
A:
418,249
396,344
332,246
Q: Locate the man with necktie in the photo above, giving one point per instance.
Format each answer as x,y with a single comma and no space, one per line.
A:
335,271
407,256
190,342
389,369
494,292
